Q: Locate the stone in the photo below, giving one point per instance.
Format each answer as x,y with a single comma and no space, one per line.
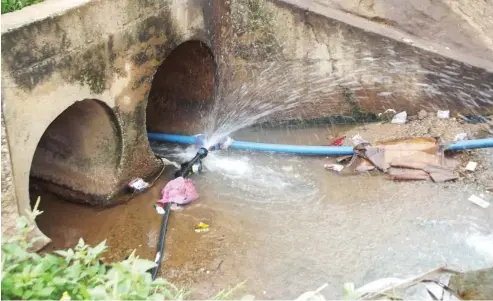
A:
422,114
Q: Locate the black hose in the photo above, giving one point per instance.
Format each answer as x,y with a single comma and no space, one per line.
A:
162,237
185,171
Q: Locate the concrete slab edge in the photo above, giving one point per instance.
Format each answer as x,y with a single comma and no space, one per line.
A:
322,9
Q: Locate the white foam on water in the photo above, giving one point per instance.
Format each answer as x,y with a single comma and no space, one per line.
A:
239,167
258,179
482,244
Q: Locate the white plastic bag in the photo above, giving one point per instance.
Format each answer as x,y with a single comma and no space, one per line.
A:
400,118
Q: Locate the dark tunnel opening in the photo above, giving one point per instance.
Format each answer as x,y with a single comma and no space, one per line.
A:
182,90
78,154
75,164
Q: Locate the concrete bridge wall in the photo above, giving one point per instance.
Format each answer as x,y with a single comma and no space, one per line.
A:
82,79
337,63
84,70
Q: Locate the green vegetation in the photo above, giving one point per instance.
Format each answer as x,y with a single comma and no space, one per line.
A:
359,114
75,274
13,5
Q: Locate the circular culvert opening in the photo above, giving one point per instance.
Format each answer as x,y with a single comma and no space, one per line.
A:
78,155
182,90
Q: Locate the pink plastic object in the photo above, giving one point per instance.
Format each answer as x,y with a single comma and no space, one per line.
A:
179,191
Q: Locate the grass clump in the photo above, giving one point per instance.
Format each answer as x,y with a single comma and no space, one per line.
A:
13,5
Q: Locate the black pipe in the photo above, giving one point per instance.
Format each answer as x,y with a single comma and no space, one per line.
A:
187,168
160,244
185,171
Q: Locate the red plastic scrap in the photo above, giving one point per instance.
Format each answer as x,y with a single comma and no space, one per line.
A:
338,141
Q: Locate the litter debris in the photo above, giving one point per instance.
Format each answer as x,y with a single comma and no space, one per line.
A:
159,209
400,118
388,111
443,114
416,158
357,139
201,227
377,157
478,201
387,115
168,162
443,284
402,174
335,167
175,207
363,167
343,158
138,185
460,137
440,173
179,191
471,166
338,141
359,164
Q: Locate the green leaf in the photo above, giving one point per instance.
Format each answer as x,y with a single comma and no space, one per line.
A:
46,292
76,273
99,249
26,270
17,292
156,297
59,281
38,269
62,253
143,265
81,244
10,268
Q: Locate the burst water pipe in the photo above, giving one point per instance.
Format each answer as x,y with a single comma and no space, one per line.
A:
185,171
257,146
306,149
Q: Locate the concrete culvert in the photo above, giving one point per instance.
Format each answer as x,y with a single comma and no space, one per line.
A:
78,155
182,89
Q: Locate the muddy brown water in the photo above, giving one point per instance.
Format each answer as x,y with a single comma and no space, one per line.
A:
285,225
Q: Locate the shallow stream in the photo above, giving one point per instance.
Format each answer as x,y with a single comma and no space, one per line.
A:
286,225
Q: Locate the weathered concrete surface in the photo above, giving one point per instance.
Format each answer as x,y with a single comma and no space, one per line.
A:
338,63
83,70
10,208
462,25
314,60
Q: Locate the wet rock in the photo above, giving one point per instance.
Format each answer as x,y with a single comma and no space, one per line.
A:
412,118
422,114
474,285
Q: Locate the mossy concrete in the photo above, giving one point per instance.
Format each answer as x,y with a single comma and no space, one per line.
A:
98,57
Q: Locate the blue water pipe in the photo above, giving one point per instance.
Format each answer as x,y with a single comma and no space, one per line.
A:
269,147
305,149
